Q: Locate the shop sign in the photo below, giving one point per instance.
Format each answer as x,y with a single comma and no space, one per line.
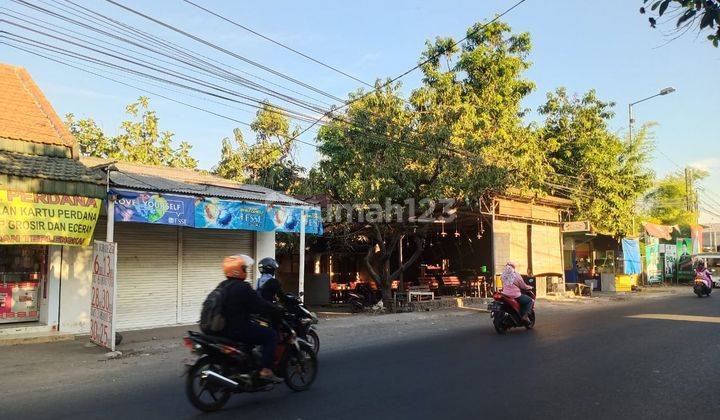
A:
670,261
287,219
148,207
47,219
213,213
18,302
580,226
653,269
102,303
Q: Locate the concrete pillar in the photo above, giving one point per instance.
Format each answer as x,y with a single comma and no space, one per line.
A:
264,247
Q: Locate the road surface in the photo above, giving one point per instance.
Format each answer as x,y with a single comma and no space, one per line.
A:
650,358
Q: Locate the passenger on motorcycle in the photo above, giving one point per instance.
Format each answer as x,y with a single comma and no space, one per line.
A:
241,302
269,286
703,273
512,284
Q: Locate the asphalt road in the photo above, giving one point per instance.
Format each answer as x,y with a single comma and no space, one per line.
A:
579,362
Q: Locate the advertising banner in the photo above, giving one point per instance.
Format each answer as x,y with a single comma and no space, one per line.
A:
18,302
213,213
47,219
670,261
150,207
684,259
102,303
287,219
653,268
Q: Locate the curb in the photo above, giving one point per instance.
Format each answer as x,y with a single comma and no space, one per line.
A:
35,339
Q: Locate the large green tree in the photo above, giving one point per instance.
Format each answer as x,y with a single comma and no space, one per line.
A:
671,202
704,15
140,139
604,174
460,136
267,161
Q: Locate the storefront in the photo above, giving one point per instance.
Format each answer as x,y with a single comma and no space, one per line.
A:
22,273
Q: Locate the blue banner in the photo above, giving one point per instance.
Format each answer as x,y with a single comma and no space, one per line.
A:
631,256
213,213
287,219
150,207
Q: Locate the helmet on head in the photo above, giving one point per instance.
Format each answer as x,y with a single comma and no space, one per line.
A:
511,264
236,266
268,265
701,264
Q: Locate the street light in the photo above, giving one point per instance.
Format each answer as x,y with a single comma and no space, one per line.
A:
662,92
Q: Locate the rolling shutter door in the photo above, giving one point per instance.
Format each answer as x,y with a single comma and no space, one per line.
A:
546,249
202,253
147,270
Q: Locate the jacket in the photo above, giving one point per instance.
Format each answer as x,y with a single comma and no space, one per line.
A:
241,301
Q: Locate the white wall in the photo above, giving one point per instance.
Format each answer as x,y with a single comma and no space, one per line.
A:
264,247
49,305
75,290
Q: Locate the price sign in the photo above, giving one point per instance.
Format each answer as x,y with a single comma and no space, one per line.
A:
102,303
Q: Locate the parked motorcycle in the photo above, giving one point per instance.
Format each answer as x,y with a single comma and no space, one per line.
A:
303,322
701,288
359,303
505,312
225,367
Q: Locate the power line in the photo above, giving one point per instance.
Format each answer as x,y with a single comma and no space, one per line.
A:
226,51
335,69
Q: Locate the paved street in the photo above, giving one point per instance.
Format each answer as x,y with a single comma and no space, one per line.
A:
582,361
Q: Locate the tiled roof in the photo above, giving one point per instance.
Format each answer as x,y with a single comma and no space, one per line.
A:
46,167
25,113
185,181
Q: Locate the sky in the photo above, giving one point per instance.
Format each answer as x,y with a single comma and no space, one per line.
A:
581,45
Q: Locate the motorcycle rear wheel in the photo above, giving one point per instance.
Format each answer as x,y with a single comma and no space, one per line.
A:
500,327
196,387
531,325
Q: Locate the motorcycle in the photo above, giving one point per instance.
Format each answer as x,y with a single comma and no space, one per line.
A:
359,303
225,367
303,321
701,288
505,312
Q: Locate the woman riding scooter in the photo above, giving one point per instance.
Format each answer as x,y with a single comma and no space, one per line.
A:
512,284
702,273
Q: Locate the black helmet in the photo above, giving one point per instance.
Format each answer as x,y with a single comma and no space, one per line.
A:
268,265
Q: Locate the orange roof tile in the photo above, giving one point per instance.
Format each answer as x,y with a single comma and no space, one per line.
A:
25,113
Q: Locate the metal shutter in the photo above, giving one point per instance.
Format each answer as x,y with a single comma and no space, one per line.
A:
147,270
202,253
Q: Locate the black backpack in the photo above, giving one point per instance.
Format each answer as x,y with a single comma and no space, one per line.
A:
212,320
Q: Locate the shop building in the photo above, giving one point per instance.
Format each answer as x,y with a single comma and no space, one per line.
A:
47,198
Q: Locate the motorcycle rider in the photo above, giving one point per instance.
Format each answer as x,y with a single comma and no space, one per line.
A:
268,285
512,284
240,303
703,273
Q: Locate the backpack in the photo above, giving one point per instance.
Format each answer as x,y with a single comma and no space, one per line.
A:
212,320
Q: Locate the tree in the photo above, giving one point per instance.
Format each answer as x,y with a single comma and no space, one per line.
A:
140,140
603,174
701,14
267,162
460,137
667,202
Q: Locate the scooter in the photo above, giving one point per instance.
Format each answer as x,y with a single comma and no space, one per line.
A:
505,312
359,304
701,288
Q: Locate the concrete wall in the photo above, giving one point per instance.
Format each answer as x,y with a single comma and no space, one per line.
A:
264,247
75,290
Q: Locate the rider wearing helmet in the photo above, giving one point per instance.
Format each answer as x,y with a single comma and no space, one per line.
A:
703,273
268,285
241,302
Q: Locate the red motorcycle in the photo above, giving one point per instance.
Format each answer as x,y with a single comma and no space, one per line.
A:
505,312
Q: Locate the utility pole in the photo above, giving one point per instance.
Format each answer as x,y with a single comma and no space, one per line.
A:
688,186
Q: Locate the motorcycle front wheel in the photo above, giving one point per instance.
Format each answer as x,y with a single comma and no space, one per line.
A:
202,394
314,340
300,368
